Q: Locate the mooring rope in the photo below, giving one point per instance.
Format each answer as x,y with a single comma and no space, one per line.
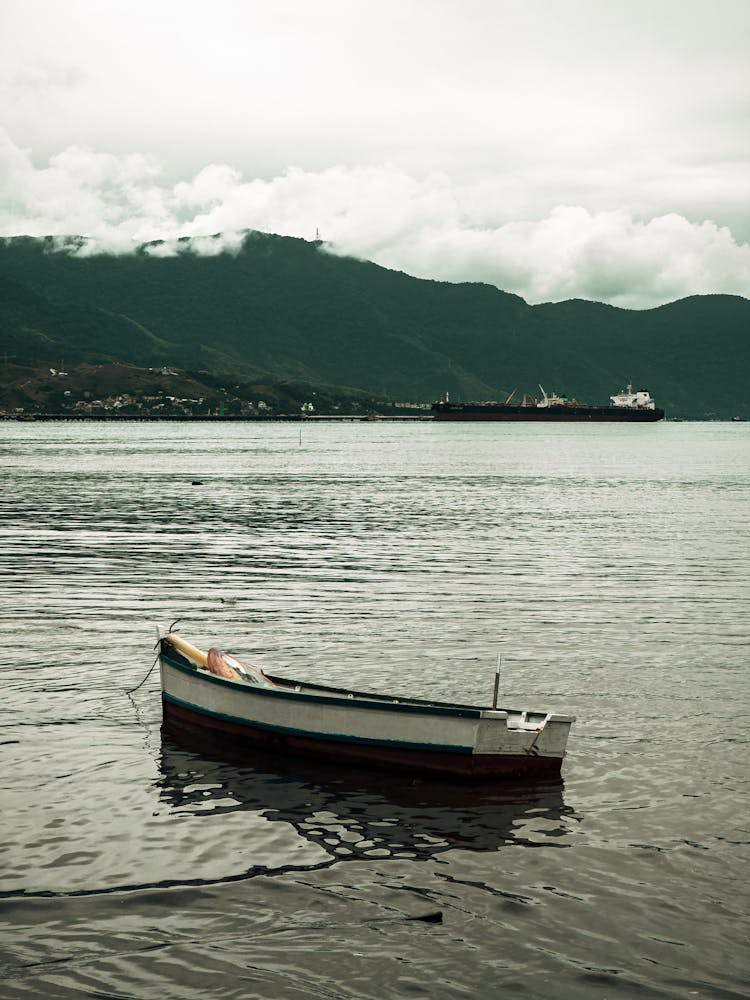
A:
151,668
150,671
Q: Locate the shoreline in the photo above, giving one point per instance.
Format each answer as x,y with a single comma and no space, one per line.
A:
208,418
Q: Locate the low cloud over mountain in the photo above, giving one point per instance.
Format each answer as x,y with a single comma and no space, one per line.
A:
429,225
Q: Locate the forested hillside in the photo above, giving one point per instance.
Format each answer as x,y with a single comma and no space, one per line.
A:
286,309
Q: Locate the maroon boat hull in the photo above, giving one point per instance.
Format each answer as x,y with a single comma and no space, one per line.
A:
182,722
558,414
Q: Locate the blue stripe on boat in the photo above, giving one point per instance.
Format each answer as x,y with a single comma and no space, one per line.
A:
327,738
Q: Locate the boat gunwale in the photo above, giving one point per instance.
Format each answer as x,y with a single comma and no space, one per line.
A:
360,700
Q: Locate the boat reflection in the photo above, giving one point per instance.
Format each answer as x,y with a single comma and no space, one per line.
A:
351,815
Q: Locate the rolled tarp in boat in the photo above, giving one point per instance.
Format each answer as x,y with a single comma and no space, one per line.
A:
226,665
219,663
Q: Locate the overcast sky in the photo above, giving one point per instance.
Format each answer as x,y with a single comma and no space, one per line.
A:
554,148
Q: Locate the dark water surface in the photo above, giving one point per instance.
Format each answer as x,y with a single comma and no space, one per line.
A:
612,566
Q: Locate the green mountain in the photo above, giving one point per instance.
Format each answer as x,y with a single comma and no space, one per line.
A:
283,309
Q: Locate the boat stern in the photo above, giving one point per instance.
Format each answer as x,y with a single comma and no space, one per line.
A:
536,734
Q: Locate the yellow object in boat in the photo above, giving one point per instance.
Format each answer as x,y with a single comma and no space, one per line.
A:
187,649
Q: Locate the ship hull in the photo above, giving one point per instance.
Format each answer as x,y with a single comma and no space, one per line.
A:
537,414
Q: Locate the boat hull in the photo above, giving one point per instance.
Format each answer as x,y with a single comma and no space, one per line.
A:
182,722
542,414
460,742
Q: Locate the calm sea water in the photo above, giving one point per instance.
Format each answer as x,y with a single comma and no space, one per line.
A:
609,564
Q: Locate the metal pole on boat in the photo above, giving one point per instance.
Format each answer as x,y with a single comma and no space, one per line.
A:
497,680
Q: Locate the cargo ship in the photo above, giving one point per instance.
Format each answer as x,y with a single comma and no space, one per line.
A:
626,407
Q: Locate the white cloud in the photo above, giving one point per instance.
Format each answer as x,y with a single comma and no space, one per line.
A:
572,253
478,86
428,226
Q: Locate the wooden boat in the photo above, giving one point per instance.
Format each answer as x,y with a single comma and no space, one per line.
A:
213,693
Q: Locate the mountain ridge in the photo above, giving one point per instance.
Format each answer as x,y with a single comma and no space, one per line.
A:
287,309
